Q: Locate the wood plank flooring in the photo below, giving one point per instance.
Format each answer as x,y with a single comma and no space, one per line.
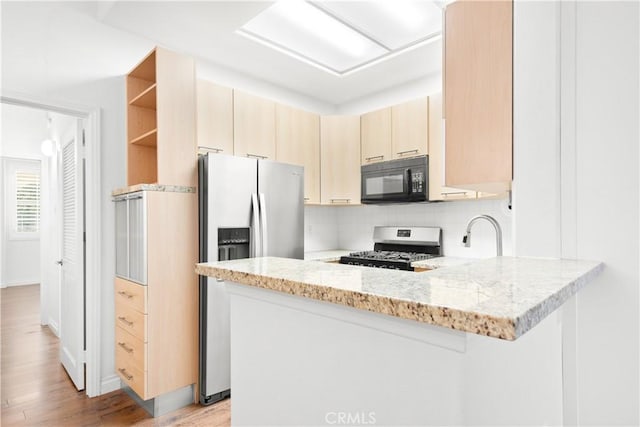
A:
36,391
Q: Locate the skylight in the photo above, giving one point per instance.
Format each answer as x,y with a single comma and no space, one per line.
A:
343,37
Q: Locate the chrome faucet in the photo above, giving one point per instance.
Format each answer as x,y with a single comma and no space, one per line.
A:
466,240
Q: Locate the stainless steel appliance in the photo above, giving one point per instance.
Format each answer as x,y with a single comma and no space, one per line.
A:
248,208
397,247
396,181
131,237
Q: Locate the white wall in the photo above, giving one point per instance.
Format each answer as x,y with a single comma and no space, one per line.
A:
23,130
415,89
351,228
607,138
576,136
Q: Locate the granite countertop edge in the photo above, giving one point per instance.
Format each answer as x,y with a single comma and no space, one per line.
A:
496,326
153,187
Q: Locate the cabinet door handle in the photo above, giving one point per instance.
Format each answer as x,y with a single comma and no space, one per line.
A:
340,200
124,294
124,320
402,153
125,374
368,159
210,150
124,346
257,156
307,198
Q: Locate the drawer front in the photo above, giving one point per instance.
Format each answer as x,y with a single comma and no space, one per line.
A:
131,294
132,376
131,321
133,348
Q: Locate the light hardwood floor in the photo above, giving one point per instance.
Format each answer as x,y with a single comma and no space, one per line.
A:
36,391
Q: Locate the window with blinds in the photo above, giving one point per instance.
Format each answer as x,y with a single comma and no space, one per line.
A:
27,202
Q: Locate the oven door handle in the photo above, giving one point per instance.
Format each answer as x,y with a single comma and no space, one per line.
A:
408,191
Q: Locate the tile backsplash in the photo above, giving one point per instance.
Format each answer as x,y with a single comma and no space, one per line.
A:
351,228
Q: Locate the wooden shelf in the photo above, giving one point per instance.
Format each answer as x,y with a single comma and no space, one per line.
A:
146,99
147,139
146,69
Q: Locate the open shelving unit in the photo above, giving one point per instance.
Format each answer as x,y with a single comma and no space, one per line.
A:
161,144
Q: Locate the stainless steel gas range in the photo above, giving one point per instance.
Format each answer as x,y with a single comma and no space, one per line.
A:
397,247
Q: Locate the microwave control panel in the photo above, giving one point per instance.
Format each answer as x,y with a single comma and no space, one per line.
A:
417,182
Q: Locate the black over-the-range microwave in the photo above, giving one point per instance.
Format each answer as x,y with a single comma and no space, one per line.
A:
396,181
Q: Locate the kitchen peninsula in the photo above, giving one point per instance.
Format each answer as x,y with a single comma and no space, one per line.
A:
470,344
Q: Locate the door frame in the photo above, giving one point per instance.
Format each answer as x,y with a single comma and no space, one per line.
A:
92,223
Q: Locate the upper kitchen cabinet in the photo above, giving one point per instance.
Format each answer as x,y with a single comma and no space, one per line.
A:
340,160
478,107
215,117
161,120
437,190
298,143
376,136
409,128
254,126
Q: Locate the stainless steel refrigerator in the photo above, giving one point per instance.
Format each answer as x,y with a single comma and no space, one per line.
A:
248,208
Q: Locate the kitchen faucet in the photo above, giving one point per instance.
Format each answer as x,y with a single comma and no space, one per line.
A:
466,240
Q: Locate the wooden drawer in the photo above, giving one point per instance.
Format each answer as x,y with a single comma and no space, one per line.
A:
131,294
131,321
133,348
131,375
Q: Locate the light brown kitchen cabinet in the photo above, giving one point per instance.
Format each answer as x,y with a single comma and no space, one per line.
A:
214,118
410,129
254,126
161,120
156,333
437,190
376,136
340,160
298,143
478,69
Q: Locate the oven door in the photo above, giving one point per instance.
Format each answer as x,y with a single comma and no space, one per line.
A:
386,185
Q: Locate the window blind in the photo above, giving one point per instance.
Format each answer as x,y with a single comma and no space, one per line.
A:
27,202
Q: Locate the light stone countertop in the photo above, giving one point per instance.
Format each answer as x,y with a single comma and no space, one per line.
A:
153,187
500,297
326,256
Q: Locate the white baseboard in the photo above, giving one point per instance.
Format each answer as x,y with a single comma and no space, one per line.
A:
109,384
9,285
54,327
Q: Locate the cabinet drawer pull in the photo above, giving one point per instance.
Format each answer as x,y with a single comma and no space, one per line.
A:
124,346
402,153
257,156
340,200
125,374
374,158
124,320
124,294
453,193
307,198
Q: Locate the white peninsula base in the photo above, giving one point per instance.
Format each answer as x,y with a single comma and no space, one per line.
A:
298,361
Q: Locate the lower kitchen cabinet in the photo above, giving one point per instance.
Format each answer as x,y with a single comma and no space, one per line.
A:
340,160
156,333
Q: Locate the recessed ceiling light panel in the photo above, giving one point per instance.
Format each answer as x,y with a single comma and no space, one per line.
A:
311,33
342,37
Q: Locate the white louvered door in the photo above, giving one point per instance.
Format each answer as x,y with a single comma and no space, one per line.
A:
72,304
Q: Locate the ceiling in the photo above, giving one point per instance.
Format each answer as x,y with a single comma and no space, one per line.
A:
207,30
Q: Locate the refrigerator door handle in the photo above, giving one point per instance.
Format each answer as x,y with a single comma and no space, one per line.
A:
263,224
255,227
